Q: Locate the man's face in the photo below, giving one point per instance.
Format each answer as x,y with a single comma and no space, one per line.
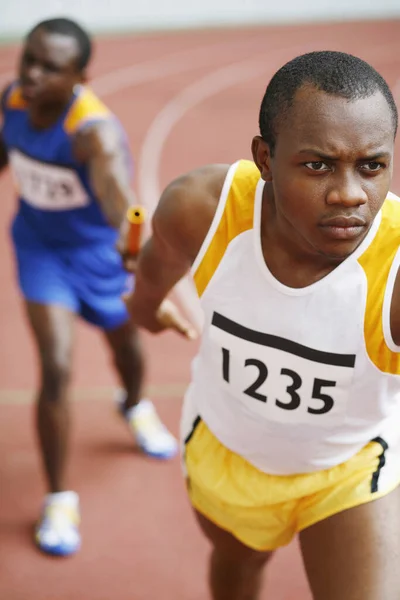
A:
331,169
49,68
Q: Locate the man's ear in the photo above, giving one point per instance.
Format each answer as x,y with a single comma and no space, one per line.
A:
84,78
262,157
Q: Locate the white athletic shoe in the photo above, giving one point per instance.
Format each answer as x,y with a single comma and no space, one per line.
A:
57,531
150,433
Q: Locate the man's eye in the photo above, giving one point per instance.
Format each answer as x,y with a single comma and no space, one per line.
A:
317,165
372,166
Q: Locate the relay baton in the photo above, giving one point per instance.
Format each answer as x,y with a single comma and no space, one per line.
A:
136,216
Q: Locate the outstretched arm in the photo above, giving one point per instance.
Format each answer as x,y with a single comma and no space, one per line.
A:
101,147
180,225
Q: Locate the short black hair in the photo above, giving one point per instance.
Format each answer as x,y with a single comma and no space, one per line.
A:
69,28
335,73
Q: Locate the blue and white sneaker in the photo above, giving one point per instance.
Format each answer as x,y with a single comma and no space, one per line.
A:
151,435
57,531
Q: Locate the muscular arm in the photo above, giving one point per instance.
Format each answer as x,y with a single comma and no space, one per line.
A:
100,147
180,224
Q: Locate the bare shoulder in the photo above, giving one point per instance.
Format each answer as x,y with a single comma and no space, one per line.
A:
99,138
187,208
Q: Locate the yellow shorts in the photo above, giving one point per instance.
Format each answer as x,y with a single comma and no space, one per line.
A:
265,511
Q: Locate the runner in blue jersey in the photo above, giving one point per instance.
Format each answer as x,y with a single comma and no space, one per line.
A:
71,166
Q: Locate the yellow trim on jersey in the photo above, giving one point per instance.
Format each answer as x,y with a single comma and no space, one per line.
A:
376,262
86,107
237,217
15,99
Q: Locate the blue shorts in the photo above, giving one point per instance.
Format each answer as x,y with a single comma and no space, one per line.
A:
87,280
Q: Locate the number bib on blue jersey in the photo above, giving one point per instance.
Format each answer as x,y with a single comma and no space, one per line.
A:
47,186
278,378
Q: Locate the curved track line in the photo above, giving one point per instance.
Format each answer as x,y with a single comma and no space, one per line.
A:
157,135
151,70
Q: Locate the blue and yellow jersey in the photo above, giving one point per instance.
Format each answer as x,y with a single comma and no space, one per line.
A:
57,205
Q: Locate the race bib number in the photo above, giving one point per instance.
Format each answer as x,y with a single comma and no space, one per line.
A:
45,186
278,378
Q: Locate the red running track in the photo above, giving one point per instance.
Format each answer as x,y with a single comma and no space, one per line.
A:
185,99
